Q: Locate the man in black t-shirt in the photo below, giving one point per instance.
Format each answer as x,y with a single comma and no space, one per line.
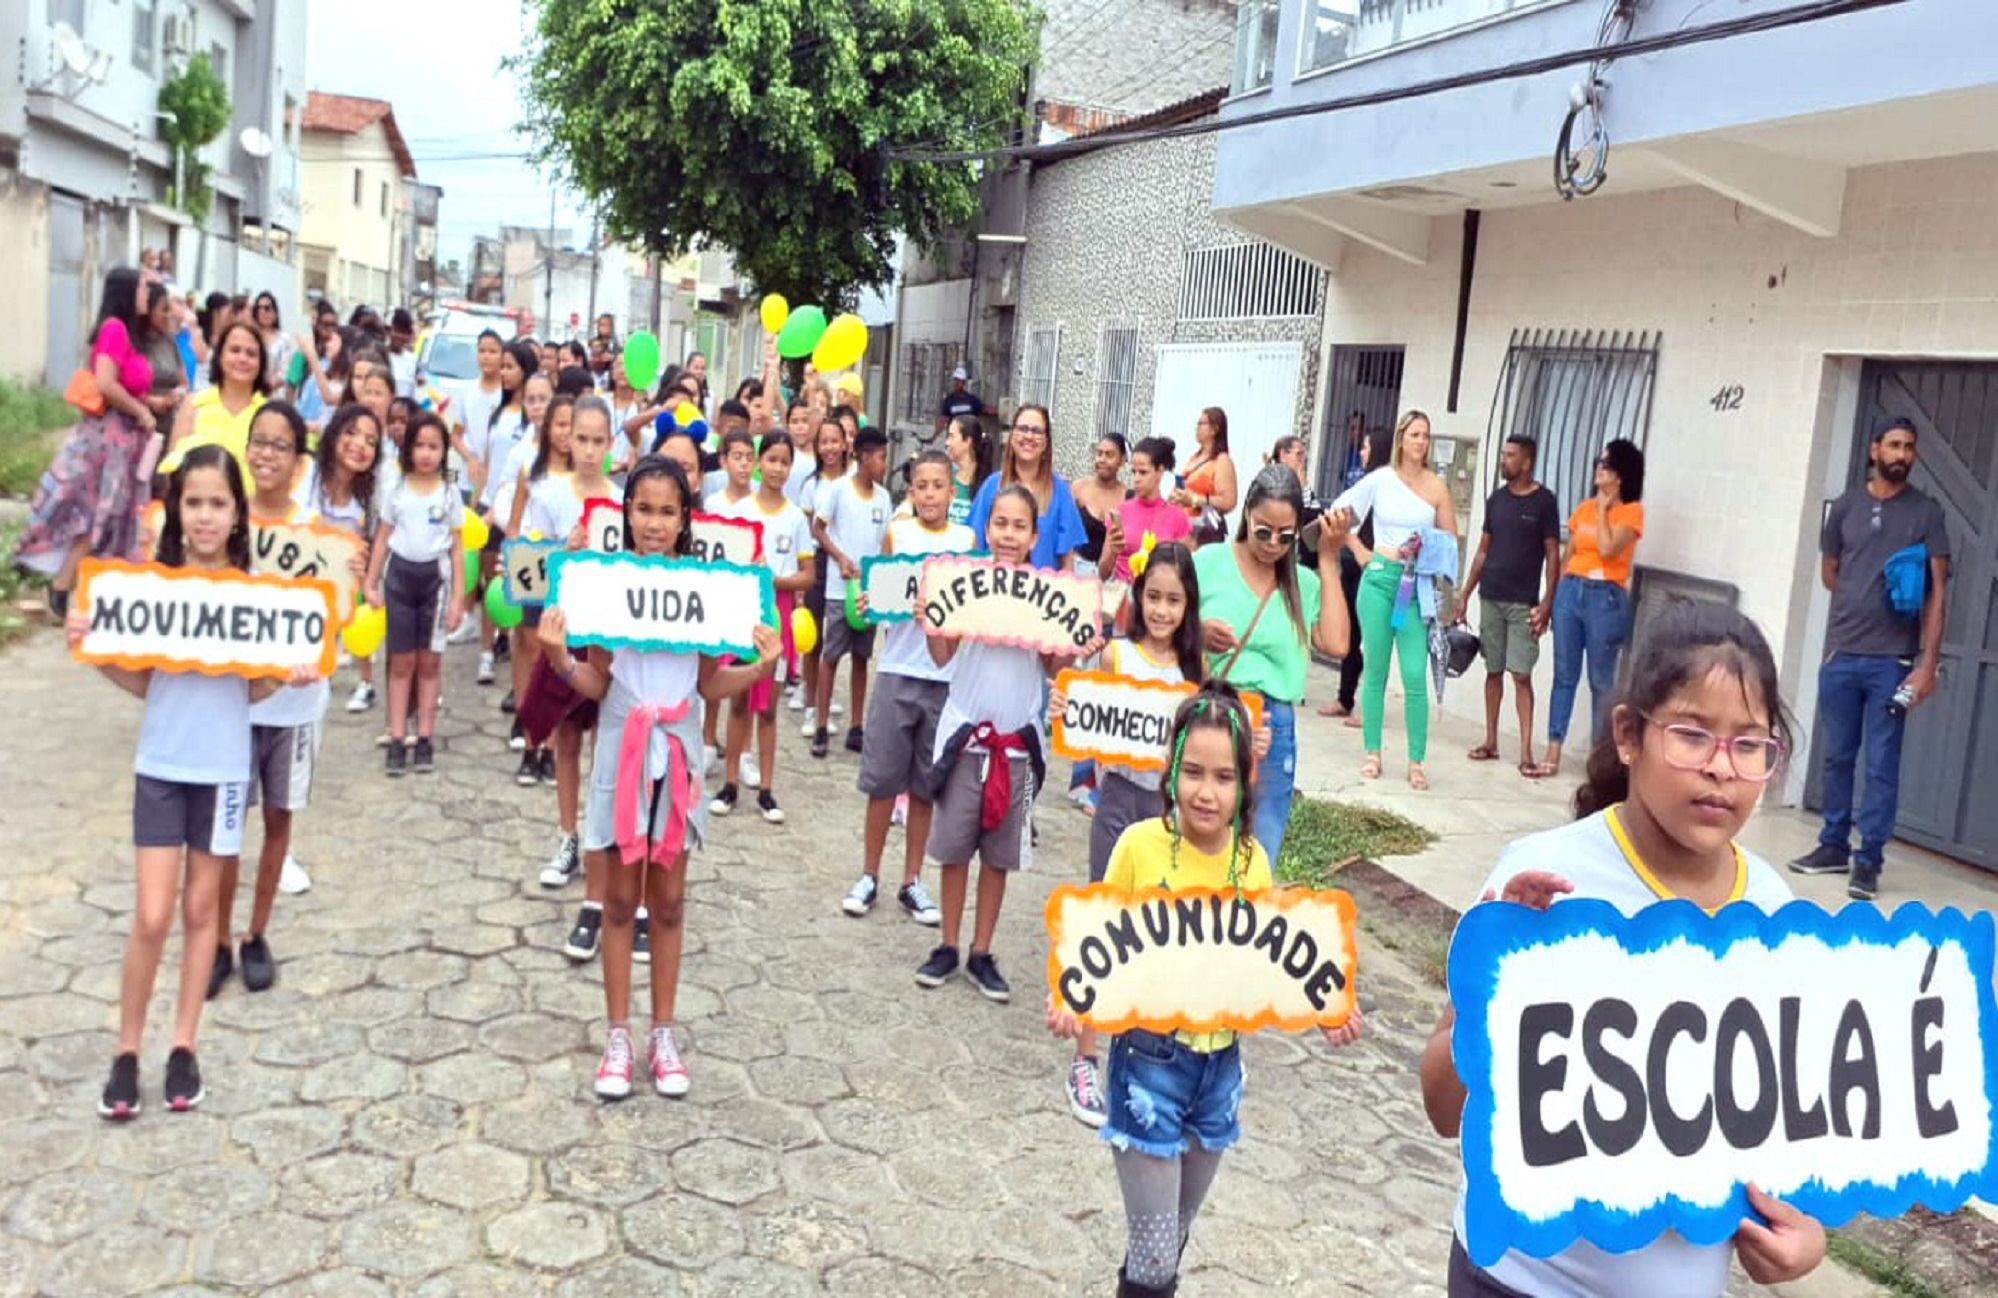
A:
960,400
1518,561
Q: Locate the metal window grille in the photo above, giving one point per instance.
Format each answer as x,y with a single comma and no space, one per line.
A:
1364,381
1248,281
1117,380
1043,353
927,368
1572,391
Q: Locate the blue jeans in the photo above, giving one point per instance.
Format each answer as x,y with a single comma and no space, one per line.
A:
1161,1091
1592,620
1853,690
1276,778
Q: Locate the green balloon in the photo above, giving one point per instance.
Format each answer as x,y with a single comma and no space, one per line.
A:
641,360
854,618
801,332
503,614
471,570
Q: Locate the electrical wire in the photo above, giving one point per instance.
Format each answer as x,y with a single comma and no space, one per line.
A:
1579,172
1773,20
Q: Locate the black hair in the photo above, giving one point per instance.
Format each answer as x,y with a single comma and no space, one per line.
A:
1275,484
1024,496
1159,450
268,296
843,412
1688,639
120,302
1215,706
737,437
574,381
667,379
1380,448
732,410
595,405
328,457
1116,440
405,455
774,438
1285,443
529,361
172,548
293,421
400,319
1217,423
1898,424
972,429
409,409
544,444
931,456
658,466
1627,462
1526,444
1187,640
489,333
869,439
747,390
221,344
577,350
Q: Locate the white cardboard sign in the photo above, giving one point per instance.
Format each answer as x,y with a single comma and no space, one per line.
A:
145,616
1032,608
308,551
624,601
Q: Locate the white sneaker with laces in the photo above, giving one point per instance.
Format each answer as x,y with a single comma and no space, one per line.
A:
669,1072
746,773
861,900
797,703
362,698
708,758
486,668
293,879
1085,1092
811,727
567,863
614,1073
467,631
915,899
837,709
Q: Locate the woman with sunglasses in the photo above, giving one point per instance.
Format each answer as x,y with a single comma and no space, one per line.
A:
1261,617
1410,507
279,347
1592,602
1028,462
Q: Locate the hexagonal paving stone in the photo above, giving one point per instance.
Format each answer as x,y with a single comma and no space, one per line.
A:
36,1149
799,1081
472,1079
421,970
281,1137
765,1279
367,1007
532,1038
607,1173
872,1127
356,1077
681,1231
471,1176
726,1171
550,1236
484,1279
473,1001
420,1040
627,1277
537,1124
63,1206
192,1199
113,1261
475,939
321,976
408,1124
835,1174
883,1275
765,1124
339,1185
331,1284
309,1042
808,1236
262,1250
407,1239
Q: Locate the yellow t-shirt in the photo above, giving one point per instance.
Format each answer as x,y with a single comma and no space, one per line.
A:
1143,858
213,423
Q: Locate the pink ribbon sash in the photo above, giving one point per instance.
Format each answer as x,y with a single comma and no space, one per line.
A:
632,810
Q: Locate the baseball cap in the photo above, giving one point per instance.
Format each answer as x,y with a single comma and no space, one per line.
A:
847,383
961,374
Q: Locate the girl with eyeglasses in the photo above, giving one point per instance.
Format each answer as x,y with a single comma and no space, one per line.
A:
1262,615
1697,733
1028,462
1592,602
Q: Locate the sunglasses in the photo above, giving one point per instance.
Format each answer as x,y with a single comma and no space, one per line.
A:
1265,534
1030,430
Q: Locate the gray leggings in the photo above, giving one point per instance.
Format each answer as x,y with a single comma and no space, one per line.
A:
1161,1198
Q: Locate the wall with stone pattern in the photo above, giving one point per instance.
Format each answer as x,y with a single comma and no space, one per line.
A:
1133,56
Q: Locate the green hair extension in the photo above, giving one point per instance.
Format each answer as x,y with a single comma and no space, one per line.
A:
1201,707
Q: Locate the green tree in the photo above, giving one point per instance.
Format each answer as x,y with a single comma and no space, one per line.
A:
194,109
764,126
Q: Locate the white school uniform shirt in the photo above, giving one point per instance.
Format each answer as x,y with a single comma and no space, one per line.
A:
905,646
1398,512
991,682
196,729
554,506
506,438
422,523
475,416
1591,854
657,677
294,707
309,496
801,485
856,524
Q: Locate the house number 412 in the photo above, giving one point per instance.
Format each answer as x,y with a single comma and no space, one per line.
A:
1729,399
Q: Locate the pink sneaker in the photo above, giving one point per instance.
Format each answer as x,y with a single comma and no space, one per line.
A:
669,1074
614,1073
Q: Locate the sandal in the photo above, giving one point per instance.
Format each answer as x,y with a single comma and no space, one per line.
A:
1529,770
1352,722
1371,768
1483,753
1416,779
1334,710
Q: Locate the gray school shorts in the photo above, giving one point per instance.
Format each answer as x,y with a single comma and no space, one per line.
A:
418,596
200,817
600,795
1121,802
901,737
281,763
956,832
842,641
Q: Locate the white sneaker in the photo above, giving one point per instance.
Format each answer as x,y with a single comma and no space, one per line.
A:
362,698
797,703
915,900
746,772
486,672
467,631
810,729
662,1056
566,865
293,879
861,899
708,759
837,709
614,1073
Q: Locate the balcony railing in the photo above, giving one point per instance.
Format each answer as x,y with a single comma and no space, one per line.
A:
1340,31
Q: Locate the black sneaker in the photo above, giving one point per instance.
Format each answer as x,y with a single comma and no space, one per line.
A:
529,773
938,968
821,741
1822,859
983,970
854,740
225,964
516,738
422,760
183,1081
548,767
724,802
259,968
395,760
502,648
1864,885
641,939
507,703
766,802
585,937
120,1101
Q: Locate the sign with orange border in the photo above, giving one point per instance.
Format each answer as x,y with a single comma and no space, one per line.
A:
721,539
1010,604
1202,959
1121,720
145,616
307,551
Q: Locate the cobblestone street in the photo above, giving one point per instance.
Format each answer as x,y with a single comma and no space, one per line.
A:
408,1111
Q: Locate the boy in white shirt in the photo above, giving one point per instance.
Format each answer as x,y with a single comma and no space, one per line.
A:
849,524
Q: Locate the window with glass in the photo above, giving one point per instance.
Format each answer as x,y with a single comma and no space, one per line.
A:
67,11
145,34
1339,31
1117,380
1043,352
1255,45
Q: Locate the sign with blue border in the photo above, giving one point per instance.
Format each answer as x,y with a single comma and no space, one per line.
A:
656,604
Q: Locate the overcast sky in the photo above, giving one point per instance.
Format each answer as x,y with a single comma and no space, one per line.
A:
452,99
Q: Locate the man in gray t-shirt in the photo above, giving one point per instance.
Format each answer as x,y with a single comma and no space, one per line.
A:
1872,651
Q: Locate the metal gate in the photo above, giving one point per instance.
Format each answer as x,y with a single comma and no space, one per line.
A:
1365,381
1954,408
1572,390
67,306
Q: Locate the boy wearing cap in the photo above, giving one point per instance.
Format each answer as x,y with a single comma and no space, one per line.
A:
960,400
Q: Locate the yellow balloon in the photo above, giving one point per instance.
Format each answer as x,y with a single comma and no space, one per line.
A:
365,633
686,413
804,631
843,343
476,533
775,311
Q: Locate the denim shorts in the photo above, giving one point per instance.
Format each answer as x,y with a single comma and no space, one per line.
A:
1162,1091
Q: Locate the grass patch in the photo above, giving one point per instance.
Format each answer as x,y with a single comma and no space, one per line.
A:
1863,1259
14,583
32,420
1323,835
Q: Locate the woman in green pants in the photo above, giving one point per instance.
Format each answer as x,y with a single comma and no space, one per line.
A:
1403,497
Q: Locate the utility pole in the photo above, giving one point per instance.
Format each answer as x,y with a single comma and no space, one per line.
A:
548,251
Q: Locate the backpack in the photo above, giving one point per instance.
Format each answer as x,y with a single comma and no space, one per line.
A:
1906,580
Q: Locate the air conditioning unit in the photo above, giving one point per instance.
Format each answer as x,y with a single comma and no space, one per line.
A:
179,33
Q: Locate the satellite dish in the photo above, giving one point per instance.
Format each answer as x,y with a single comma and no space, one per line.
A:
71,50
255,142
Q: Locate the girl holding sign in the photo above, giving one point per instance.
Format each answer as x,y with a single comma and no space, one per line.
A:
551,459
1697,732
1173,1099
651,700
416,574
832,465
193,765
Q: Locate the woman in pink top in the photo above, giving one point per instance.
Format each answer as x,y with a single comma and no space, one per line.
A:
1145,511
91,500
